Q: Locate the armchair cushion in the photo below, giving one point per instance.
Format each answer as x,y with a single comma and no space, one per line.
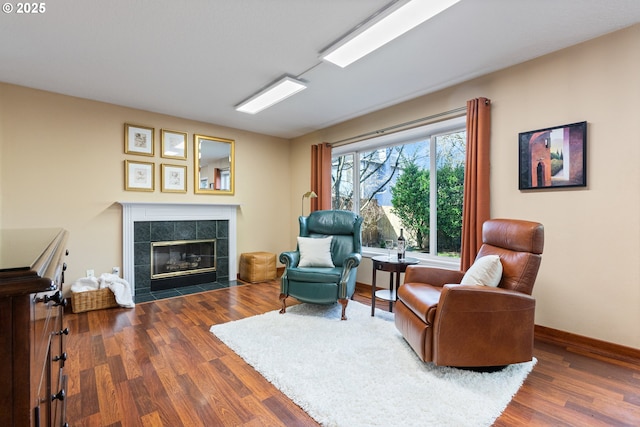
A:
315,274
315,252
486,270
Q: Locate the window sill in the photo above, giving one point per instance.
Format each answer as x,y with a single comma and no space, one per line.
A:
425,259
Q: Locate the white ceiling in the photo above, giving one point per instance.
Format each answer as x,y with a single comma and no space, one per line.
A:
197,59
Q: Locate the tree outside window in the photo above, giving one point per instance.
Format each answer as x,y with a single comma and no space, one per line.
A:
404,186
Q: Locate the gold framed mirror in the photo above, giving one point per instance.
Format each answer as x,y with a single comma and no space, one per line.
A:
214,160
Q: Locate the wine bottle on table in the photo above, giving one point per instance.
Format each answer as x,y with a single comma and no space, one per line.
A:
401,246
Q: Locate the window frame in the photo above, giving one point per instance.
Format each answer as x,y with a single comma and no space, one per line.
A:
420,133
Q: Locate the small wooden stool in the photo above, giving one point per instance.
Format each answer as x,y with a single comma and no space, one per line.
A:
257,267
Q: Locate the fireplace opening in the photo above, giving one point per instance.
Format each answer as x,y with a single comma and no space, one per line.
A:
182,263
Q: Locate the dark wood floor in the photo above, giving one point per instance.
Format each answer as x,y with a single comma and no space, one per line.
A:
158,365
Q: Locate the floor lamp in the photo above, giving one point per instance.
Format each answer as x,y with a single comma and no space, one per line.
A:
310,195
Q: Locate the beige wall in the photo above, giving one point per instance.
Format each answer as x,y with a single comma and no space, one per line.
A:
589,282
62,164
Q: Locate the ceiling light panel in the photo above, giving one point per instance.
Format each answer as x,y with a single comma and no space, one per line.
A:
278,91
396,20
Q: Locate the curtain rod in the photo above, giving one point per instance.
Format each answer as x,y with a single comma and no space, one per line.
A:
396,127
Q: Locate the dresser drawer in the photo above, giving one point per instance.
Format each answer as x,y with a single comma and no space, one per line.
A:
32,380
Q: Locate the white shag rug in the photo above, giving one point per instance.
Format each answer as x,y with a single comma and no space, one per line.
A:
361,372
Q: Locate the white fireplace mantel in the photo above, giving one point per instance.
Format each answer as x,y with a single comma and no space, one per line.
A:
135,211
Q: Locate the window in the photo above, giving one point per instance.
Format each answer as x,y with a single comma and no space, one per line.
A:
411,180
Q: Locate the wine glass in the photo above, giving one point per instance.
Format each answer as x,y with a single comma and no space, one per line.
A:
388,243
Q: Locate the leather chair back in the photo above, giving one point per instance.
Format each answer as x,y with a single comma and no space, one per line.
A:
519,245
344,226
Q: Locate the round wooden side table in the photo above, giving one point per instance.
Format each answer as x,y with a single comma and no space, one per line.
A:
394,267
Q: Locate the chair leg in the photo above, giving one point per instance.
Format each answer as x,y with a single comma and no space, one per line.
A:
344,302
283,299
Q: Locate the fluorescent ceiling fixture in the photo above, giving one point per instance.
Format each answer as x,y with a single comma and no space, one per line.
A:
273,94
394,21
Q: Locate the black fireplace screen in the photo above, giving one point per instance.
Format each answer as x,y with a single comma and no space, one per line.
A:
182,257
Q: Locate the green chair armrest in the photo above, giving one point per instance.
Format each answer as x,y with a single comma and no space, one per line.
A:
290,258
352,260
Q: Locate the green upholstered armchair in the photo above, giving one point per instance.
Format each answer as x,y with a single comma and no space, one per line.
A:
318,282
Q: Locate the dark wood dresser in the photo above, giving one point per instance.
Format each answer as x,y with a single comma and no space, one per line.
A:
32,332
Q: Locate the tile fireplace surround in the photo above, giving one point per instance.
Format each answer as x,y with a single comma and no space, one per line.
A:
141,220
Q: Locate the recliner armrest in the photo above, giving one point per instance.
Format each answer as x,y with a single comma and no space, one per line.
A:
431,275
478,298
290,258
352,260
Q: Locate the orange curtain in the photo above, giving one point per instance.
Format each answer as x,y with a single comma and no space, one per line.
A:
475,209
217,179
321,176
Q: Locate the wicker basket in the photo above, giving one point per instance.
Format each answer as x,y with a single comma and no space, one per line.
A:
92,300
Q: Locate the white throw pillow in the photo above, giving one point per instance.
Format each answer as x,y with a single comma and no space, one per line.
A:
315,252
486,271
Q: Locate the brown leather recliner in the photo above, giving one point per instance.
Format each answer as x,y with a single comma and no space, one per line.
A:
474,325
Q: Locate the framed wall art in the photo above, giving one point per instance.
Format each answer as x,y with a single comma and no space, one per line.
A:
139,176
173,178
213,165
138,140
554,157
174,144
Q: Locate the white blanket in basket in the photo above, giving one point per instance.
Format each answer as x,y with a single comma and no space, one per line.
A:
120,287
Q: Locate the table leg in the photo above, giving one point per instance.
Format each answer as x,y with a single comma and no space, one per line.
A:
390,291
397,284
373,291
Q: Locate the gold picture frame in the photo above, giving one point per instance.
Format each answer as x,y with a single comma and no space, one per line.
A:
139,176
213,162
173,144
173,178
139,140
